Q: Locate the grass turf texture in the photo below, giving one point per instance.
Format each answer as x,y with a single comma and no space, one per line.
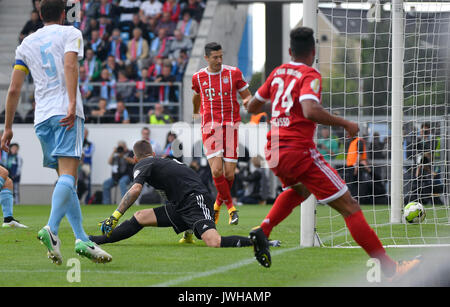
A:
154,257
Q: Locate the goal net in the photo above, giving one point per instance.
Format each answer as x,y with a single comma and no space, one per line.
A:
384,65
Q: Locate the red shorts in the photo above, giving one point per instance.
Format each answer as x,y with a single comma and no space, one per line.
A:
307,166
221,140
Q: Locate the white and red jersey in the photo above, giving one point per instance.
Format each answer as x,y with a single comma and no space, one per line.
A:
286,87
218,92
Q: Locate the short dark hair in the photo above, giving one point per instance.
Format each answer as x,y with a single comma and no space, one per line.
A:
51,10
302,41
142,149
213,46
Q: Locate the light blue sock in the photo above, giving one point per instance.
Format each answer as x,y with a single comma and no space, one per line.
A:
61,201
75,218
6,200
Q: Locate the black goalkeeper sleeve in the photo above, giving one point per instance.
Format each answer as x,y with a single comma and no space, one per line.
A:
125,230
235,241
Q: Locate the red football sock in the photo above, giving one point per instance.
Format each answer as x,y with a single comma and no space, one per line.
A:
223,191
368,240
230,183
283,206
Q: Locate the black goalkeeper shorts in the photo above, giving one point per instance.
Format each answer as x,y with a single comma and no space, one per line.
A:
196,212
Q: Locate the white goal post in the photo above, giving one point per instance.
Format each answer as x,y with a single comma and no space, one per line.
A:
383,64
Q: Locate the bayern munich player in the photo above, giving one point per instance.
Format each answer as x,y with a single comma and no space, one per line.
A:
215,98
293,91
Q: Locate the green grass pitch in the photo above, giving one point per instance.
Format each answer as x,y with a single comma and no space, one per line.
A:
154,257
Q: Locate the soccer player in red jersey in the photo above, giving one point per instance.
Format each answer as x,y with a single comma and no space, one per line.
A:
215,99
293,91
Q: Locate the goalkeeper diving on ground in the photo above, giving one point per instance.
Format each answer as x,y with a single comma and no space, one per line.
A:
189,205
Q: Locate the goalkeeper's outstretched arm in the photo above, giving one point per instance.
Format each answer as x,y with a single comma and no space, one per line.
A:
129,198
108,225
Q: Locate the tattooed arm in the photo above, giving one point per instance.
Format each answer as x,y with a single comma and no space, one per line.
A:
129,198
108,225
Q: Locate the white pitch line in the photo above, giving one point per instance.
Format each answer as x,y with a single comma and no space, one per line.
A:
97,272
220,269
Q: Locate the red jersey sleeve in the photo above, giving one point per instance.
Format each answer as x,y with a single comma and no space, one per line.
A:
195,85
241,84
311,87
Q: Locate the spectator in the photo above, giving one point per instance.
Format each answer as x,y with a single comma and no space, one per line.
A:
117,48
91,8
83,22
377,148
180,42
327,145
137,49
92,65
157,116
92,25
98,45
155,67
188,25
105,26
166,93
126,92
358,171
427,182
121,114
105,8
173,148
122,161
126,9
107,89
194,8
160,45
85,88
152,23
172,7
166,23
256,184
179,66
151,8
85,170
112,67
145,135
13,163
139,22
147,90
31,26
100,114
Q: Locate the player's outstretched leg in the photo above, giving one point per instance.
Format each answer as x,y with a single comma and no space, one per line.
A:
364,235
282,208
91,251
261,247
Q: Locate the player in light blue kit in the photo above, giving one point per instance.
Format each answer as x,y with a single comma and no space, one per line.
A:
51,55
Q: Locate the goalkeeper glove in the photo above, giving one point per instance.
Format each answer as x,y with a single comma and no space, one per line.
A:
108,225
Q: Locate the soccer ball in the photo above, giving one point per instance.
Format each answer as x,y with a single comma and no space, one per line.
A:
414,213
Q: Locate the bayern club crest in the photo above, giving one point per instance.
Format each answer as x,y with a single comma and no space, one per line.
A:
225,80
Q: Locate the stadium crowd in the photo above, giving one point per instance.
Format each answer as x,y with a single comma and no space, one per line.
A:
128,43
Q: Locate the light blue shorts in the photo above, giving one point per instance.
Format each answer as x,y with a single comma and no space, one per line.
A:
57,141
